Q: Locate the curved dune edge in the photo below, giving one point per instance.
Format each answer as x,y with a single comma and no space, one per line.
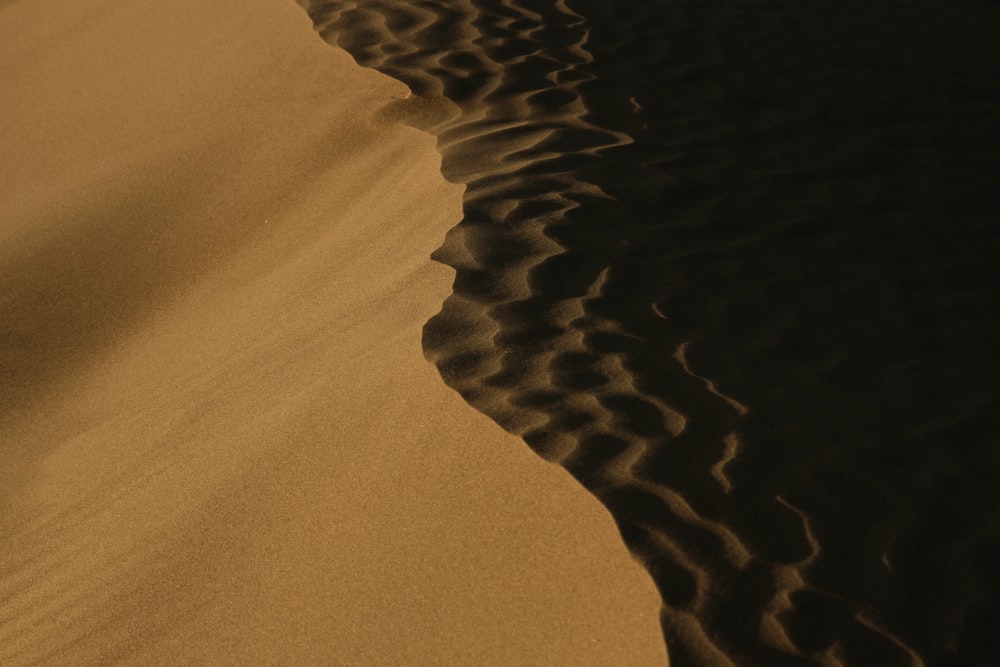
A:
222,444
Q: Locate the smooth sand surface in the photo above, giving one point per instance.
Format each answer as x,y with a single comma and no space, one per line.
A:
221,443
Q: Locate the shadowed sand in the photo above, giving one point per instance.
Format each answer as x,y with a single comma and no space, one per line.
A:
734,266
220,441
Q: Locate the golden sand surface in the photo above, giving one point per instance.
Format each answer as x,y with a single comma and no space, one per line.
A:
220,441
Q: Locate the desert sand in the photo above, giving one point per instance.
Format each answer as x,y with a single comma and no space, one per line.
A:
221,441
734,266
284,342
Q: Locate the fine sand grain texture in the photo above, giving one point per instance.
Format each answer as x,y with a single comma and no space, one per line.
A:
733,264
220,442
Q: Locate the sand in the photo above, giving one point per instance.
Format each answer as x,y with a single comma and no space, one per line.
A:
730,265
221,441
733,266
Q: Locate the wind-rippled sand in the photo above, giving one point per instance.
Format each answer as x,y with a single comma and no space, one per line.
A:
734,266
220,441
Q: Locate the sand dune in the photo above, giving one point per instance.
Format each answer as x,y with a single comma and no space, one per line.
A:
221,443
733,266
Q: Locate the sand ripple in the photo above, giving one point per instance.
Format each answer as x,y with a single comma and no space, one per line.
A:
730,264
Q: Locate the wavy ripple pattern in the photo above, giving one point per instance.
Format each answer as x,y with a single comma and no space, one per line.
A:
731,264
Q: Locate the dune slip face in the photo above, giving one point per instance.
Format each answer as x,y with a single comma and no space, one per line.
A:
734,266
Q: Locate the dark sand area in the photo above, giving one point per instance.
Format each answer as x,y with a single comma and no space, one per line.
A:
734,266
